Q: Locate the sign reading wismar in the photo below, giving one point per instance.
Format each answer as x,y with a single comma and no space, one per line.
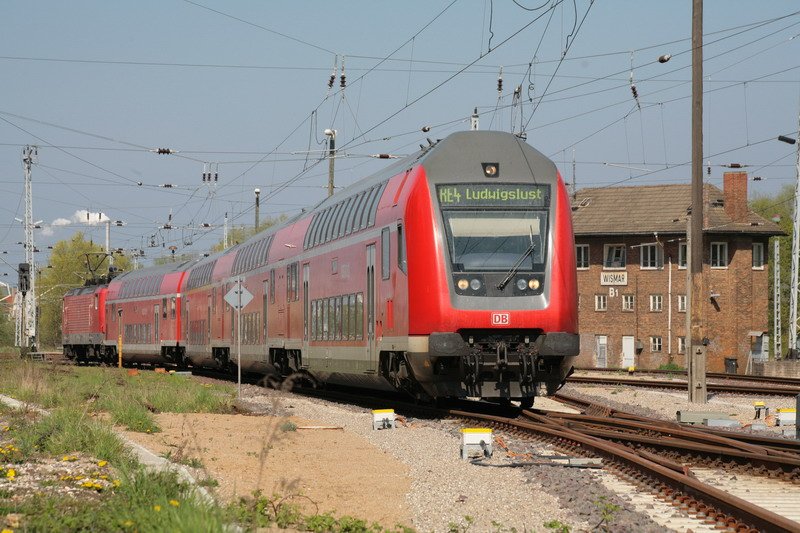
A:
510,194
613,278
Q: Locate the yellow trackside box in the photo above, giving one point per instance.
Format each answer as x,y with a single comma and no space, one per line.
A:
787,417
383,419
476,442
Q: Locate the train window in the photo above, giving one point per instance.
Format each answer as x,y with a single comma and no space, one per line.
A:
310,232
331,319
320,227
313,320
365,209
345,317
324,304
373,206
359,316
385,254
334,224
401,248
163,308
113,312
495,240
326,216
351,313
337,318
272,286
172,307
343,219
352,215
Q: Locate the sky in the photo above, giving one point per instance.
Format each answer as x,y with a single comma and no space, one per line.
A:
240,89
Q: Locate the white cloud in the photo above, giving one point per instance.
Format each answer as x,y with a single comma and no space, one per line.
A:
62,222
47,231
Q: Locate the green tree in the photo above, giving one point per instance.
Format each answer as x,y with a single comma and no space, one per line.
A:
6,327
68,267
780,206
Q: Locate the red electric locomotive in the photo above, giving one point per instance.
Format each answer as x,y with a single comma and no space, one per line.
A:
83,323
451,273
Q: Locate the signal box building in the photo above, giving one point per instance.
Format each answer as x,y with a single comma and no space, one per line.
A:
632,275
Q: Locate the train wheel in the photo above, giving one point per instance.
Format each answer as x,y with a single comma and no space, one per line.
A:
526,403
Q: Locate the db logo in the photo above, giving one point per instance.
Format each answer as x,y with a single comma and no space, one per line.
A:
501,319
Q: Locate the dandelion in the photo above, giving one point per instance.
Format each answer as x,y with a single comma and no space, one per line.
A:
11,474
157,508
175,503
69,458
6,428
7,531
127,523
101,464
116,483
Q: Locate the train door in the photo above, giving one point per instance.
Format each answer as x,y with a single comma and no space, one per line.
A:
370,303
156,322
306,309
265,307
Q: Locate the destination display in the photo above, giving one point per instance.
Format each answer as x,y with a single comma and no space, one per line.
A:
500,195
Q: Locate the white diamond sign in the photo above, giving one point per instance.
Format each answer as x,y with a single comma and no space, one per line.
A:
238,296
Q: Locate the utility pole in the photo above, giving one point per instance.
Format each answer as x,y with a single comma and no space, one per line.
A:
28,311
795,251
225,233
258,194
696,357
776,301
331,154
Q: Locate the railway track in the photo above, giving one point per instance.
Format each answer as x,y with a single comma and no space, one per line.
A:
761,390
778,380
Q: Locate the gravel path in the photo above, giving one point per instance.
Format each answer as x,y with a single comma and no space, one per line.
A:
445,490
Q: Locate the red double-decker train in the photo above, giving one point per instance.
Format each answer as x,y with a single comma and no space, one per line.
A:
451,273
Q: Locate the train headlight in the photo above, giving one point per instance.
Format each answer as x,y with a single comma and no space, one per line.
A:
533,284
475,284
462,284
521,284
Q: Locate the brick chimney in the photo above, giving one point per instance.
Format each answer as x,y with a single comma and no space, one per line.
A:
735,194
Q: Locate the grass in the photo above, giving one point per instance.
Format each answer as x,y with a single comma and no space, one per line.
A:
130,400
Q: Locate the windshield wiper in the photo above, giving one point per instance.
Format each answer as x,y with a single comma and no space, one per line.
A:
513,270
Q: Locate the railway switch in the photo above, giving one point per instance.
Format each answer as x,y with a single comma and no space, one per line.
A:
383,419
476,442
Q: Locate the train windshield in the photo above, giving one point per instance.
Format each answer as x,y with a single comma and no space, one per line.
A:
495,240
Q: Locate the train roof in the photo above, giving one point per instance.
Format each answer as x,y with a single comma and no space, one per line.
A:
88,289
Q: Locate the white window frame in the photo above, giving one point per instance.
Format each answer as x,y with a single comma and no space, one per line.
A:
722,252
653,253
582,250
628,302
681,345
607,248
683,255
656,344
600,302
758,265
656,303
682,303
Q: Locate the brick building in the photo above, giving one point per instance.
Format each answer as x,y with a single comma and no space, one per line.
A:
631,255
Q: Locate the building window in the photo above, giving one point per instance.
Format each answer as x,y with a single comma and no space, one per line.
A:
758,255
655,344
682,254
614,256
681,303
650,256
627,302
656,303
719,255
582,256
681,344
600,302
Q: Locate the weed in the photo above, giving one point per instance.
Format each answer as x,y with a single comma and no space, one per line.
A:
607,512
453,527
498,527
192,462
208,482
557,526
288,426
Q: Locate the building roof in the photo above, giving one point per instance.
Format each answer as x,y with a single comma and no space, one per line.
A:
657,208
